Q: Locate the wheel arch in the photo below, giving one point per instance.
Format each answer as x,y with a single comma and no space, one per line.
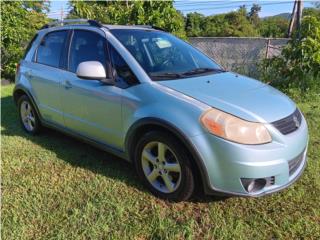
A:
19,91
145,125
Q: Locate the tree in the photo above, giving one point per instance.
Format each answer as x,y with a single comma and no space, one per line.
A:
311,12
213,25
239,25
194,24
158,13
40,6
234,24
254,14
243,10
19,21
273,27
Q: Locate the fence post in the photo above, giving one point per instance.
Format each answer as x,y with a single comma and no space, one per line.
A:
268,47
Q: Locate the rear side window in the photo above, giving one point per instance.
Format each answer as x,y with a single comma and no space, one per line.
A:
29,46
51,47
87,46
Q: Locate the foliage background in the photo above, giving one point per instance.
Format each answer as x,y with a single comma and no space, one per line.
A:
19,22
298,66
158,13
299,61
53,192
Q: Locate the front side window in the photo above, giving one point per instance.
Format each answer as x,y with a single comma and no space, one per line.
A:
87,46
123,71
164,56
51,47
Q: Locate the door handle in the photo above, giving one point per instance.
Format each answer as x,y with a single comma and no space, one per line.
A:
67,84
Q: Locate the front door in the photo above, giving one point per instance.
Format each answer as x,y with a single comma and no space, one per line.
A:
91,108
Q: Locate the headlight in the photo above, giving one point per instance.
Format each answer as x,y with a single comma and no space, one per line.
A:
234,129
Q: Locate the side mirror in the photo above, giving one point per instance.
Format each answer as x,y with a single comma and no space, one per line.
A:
93,70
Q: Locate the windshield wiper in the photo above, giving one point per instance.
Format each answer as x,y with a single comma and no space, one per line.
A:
166,75
172,75
202,70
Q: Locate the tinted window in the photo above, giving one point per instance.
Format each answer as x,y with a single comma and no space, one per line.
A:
29,46
86,46
51,47
162,55
123,71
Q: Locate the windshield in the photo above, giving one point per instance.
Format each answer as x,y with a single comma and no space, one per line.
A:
164,56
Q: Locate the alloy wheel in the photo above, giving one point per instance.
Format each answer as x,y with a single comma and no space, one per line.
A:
161,167
27,116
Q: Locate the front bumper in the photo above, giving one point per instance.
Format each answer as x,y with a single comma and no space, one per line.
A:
226,163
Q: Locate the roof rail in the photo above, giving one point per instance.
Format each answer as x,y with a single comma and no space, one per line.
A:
158,28
93,23
151,26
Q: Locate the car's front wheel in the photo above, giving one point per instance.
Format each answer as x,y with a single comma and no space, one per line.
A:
28,116
164,166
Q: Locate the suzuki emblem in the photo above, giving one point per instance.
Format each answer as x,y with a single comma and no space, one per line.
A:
296,121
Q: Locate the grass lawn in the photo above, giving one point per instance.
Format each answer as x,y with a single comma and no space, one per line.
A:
55,187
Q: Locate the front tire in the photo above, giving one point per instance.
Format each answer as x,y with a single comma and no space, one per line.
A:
28,115
164,166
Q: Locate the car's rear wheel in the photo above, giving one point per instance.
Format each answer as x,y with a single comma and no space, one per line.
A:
164,166
28,116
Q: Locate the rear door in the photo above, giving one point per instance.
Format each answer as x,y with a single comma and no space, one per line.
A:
44,75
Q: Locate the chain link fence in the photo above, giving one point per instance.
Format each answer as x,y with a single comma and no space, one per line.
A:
239,54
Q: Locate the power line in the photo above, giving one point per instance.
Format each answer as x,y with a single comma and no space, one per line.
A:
58,12
239,2
209,3
234,6
215,3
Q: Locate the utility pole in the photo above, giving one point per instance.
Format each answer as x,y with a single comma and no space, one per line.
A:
293,16
299,16
296,17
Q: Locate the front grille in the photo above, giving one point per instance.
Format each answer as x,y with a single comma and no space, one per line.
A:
295,163
289,124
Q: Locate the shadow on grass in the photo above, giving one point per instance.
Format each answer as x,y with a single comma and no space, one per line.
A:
78,153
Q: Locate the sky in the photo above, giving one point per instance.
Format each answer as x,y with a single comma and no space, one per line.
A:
209,7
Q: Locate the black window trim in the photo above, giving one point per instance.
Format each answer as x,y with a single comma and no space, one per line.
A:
64,61
68,49
65,58
109,66
113,66
70,42
35,58
29,46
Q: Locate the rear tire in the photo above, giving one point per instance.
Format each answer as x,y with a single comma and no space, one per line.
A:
28,115
164,167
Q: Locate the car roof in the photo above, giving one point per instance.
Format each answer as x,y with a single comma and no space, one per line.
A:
85,23
140,27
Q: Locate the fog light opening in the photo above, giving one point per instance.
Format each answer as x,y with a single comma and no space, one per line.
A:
253,184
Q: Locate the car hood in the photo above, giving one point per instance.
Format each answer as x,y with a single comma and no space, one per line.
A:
238,95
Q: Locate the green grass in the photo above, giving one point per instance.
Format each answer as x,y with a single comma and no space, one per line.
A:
55,187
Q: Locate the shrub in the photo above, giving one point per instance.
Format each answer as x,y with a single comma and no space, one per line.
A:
19,22
299,63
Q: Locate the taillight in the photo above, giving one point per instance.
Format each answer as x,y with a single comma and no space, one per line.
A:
17,68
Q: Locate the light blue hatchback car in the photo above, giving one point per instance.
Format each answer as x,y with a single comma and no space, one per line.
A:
153,99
